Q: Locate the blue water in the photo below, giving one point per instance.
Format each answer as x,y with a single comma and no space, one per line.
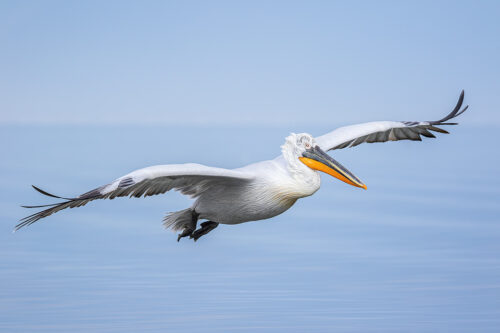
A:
417,252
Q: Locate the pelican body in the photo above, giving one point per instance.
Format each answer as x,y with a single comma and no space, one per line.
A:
254,192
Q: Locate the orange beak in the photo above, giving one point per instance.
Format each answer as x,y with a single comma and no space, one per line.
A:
317,159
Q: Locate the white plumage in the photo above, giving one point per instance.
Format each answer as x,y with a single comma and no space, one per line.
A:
254,192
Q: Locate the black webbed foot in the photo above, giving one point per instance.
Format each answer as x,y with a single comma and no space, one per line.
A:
189,228
186,232
206,227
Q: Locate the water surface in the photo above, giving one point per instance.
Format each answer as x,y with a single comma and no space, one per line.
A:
416,252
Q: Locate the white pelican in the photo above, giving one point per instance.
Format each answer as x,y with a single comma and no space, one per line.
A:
254,192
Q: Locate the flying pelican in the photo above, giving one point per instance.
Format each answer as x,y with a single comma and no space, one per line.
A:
254,192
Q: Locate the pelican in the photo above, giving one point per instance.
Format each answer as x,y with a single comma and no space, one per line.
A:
254,192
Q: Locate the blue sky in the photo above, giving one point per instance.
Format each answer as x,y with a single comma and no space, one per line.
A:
90,91
280,62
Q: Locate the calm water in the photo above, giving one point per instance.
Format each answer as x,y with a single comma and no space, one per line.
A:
417,252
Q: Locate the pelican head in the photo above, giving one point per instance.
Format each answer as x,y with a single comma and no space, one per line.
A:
304,148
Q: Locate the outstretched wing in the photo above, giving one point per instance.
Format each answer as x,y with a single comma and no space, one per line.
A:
382,131
190,179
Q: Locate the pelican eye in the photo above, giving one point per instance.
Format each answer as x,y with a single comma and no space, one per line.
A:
308,145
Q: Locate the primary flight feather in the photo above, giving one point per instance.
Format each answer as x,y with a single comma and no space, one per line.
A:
254,192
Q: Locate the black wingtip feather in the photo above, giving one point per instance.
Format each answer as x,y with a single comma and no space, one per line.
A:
454,113
463,110
28,220
50,195
39,206
437,129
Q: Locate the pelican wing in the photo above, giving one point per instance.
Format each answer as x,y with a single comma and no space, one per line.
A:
382,131
190,179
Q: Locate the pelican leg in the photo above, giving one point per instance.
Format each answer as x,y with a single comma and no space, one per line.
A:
188,229
206,227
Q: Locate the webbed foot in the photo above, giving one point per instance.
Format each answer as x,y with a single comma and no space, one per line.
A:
206,227
186,232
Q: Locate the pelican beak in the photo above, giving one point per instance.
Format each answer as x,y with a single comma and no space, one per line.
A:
317,159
